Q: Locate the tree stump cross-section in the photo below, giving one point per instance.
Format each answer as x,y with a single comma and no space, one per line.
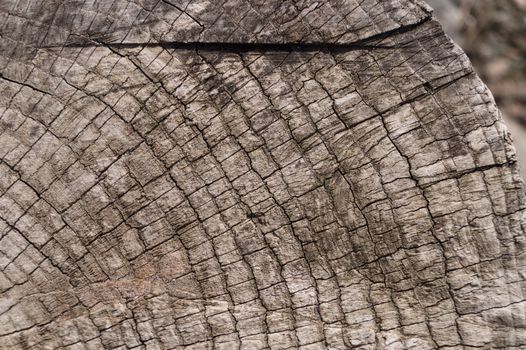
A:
251,174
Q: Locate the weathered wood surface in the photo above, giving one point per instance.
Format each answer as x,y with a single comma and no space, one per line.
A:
335,177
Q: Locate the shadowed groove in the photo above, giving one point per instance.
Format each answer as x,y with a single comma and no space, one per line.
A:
370,43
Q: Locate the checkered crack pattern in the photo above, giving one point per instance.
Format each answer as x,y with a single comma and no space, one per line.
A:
250,174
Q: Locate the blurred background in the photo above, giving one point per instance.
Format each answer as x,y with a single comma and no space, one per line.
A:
493,34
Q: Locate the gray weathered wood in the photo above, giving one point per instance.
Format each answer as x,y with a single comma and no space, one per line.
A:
252,174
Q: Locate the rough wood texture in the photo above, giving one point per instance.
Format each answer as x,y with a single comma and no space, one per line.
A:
335,177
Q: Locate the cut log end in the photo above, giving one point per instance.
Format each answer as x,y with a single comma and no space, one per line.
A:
252,175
